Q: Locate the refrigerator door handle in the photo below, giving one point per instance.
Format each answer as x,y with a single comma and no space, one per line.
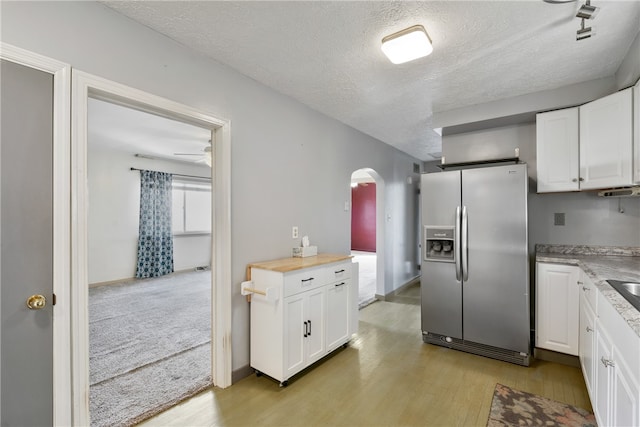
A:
456,246
465,244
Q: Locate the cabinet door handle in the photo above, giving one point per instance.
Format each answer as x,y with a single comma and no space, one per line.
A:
340,284
309,334
607,363
584,288
339,271
305,329
574,180
579,282
589,329
581,179
307,280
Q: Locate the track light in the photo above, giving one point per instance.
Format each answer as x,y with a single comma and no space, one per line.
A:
587,11
584,33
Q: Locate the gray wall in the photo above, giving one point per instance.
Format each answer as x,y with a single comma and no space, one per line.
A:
629,71
290,165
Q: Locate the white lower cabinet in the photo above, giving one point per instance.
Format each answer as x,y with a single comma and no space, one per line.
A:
304,329
587,338
610,361
557,300
337,314
617,394
315,313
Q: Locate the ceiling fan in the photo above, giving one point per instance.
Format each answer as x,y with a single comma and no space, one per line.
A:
205,155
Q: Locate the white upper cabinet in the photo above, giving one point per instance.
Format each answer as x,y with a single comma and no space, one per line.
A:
636,133
557,150
606,147
589,147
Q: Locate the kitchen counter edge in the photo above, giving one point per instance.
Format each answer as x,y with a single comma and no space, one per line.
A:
599,268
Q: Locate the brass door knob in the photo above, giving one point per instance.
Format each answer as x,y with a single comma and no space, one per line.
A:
36,302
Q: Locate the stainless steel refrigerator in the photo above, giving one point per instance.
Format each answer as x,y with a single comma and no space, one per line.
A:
475,266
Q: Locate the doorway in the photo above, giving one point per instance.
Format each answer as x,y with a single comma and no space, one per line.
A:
149,304
86,87
366,233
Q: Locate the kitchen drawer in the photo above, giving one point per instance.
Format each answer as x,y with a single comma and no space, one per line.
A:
589,291
338,272
304,280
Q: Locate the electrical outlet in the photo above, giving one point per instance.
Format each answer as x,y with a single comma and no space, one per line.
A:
294,232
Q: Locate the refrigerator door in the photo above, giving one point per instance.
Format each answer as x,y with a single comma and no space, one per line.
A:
441,293
496,293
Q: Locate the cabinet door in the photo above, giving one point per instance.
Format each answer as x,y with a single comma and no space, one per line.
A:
602,397
557,307
337,314
587,342
314,312
295,331
625,394
636,133
557,150
606,141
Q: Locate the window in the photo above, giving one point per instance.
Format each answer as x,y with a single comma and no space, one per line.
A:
191,210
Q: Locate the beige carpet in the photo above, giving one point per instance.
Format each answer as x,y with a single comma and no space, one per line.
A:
511,407
149,345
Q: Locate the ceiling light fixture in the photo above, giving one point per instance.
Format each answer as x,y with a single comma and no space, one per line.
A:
407,45
587,11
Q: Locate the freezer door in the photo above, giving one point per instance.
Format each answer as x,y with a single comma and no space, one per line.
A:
441,293
496,293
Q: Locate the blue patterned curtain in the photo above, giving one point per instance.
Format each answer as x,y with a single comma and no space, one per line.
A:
155,240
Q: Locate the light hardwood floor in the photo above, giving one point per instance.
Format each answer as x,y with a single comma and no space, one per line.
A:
386,376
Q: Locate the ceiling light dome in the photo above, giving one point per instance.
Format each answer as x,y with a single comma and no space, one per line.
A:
407,45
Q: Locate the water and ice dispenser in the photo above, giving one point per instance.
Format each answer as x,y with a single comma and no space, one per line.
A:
439,243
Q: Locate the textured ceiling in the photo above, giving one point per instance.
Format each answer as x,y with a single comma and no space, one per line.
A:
327,54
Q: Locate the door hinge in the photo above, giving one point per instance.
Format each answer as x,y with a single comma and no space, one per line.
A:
419,267
53,299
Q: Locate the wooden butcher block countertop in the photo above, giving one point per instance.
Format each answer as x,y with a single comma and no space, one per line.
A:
285,265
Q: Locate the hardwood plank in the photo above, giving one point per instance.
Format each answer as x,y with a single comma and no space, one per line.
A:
387,376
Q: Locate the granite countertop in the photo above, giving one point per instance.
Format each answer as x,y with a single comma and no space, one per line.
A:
601,263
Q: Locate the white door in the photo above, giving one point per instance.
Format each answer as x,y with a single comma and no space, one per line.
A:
557,150
606,141
587,340
26,252
337,314
315,309
557,307
602,393
295,327
625,394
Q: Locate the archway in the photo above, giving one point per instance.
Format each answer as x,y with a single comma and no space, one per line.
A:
367,233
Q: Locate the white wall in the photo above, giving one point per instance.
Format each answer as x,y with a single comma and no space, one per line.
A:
629,71
114,209
290,165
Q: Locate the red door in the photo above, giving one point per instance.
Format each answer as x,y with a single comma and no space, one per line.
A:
363,217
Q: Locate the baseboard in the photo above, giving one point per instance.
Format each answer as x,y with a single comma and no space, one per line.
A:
554,356
241,373
130,279
399,290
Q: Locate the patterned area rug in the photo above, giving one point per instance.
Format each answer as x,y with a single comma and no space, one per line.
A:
512,407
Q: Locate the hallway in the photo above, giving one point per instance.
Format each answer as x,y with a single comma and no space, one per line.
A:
367,276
